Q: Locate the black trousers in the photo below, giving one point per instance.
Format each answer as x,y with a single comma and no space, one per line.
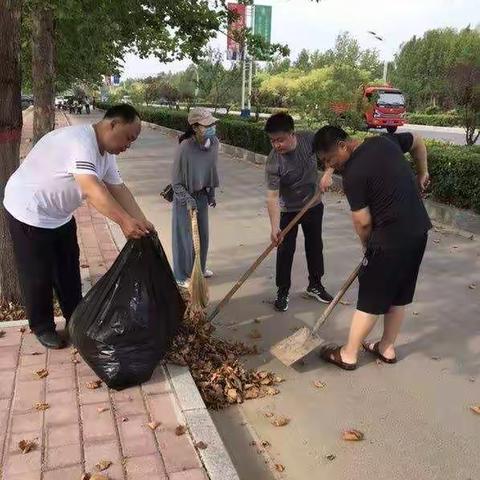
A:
47,260
311,224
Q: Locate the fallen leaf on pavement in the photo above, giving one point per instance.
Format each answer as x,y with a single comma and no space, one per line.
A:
331,457
180,430
268,414
98,476
103,465
93,384
266,444
353,435
102,409
26,445
2,333
280,421
42,373
153,425
41,406
86,476
22,329
471,379
75,361
255,334
270,391
435,358
476,409
319,384
252,444
345,302
279,379
472,286
35,353
378,362
436,240
256,320
415,313
124,419
279,467
454,246
201,445
253,392
74,351
83,265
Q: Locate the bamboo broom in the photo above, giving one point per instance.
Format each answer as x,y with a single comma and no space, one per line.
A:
198,286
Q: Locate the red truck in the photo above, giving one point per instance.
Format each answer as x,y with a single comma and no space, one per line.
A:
386,107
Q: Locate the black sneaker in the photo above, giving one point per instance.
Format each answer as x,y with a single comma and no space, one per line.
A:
319,293
281,302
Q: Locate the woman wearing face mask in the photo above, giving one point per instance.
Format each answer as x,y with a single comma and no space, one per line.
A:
194,179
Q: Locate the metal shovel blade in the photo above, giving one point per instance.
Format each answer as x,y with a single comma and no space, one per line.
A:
296,346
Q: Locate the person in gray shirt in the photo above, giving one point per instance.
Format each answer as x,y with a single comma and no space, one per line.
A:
194,179
292,181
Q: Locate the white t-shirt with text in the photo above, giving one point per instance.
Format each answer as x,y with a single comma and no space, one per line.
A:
43,192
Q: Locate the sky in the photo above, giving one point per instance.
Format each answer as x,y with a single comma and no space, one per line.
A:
307,24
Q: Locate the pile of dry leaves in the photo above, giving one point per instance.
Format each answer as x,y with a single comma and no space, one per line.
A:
10,311
215,366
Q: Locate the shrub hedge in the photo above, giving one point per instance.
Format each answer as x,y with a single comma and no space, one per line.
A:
437,120
455,170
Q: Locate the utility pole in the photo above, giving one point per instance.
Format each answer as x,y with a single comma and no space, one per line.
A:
385,63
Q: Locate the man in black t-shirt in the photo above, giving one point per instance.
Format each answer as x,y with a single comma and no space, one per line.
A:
392,223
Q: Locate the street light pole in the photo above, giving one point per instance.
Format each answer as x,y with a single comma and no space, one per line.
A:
385,62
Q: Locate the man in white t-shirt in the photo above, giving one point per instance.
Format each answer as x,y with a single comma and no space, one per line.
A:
66,167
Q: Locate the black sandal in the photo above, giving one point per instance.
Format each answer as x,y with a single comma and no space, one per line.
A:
376,352
334,351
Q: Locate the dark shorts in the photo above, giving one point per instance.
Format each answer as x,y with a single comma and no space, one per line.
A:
389,276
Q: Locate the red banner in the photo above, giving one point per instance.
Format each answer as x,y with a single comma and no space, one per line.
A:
234,49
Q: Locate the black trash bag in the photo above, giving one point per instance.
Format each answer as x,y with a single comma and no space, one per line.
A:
126,322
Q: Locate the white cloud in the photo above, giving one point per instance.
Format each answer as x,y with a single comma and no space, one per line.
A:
311,25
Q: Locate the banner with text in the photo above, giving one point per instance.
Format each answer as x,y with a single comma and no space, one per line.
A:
234,49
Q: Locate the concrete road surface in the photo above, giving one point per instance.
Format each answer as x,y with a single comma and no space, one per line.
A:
415,415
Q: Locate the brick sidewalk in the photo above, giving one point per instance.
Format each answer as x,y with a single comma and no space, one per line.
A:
82,426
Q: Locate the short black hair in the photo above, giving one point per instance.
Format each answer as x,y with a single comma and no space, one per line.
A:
280,122
327,138
124,111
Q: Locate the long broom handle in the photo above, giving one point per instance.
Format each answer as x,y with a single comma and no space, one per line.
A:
336,299
261,258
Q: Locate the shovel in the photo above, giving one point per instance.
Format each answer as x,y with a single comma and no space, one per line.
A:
262,257
303,341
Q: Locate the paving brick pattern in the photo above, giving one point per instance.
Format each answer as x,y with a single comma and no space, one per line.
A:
81,426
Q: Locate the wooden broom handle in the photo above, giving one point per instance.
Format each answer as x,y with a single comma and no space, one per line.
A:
195,232
262,257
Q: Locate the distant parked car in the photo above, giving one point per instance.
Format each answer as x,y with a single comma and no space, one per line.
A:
27,101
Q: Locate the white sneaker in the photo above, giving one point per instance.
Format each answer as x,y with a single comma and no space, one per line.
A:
208,273
184,284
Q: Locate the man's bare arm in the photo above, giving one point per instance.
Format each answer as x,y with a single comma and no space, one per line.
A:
273,206
122,194
362,221
418,151
97,194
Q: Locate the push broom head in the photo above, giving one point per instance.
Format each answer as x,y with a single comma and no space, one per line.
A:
198,285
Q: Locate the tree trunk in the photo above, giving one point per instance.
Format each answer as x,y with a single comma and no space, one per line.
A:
10,134
43,71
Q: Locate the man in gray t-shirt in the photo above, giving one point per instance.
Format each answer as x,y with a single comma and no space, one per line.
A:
292,181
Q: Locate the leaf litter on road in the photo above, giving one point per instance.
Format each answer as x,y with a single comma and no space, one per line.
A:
353,435
280,421
475,409
40,406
